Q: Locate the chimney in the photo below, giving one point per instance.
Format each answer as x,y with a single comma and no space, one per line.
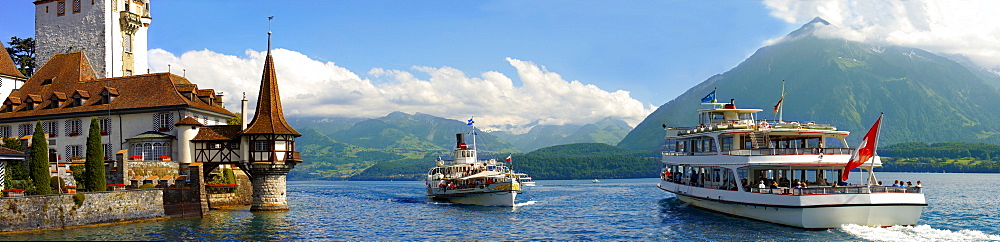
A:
243,112
460,141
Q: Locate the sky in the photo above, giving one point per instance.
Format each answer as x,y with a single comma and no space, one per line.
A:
512,63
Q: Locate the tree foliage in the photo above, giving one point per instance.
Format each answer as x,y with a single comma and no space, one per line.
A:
941,157
39,160
22,51
95,179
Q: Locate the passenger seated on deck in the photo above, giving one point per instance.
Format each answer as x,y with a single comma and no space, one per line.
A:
798,186
761,185
774,184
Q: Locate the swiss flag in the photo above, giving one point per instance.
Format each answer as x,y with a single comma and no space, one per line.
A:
508,159
865,151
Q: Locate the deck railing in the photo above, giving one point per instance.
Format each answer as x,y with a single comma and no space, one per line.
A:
769,151
835,190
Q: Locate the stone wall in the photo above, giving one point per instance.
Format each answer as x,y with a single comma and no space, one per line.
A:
59,211
242,197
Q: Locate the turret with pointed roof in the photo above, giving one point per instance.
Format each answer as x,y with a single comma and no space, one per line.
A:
269,119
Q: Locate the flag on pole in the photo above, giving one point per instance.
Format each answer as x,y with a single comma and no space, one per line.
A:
471,122
508,159
865,151
776,106
709,98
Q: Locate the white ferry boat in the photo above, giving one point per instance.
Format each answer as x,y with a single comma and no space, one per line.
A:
789,173
469,180
524,179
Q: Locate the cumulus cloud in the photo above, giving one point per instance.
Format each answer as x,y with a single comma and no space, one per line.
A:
314,88
968,28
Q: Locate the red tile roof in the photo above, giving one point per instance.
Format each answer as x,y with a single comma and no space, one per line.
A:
70,72
218,132
7,67
269,119
8,151
189,121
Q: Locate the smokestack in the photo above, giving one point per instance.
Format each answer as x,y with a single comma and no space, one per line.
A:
460,140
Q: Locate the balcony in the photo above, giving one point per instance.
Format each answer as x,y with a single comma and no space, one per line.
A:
130,22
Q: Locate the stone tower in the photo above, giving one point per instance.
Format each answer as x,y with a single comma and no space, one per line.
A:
112,33
270,143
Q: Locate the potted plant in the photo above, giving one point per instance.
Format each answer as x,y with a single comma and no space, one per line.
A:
136,157
164,158
116,187
13,192
78,159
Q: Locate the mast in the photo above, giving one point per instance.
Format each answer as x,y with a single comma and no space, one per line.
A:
871,167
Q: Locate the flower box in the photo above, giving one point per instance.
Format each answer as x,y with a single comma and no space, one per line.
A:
136,157
69,189
164,158
104,133
77,159
164,129
71,134
13,192
116,187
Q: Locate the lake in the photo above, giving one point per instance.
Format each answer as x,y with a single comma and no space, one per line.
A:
961,207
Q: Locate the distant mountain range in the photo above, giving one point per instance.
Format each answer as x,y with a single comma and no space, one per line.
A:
925,97
341,148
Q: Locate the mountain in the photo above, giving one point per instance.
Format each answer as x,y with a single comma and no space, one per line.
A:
925,97
608,131
326,158
403,132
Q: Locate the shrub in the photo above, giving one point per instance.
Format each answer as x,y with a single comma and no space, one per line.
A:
147,186
56,183
79,174
78,199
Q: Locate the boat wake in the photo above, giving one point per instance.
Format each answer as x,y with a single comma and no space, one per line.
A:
524,203
915,233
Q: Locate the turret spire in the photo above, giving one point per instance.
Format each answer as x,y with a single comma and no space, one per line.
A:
269,18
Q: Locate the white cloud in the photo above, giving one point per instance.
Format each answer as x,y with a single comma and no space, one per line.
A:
970,28
314,88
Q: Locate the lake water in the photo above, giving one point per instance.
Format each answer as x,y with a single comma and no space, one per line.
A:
962,207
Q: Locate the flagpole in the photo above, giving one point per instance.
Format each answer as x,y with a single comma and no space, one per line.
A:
871,171
781,108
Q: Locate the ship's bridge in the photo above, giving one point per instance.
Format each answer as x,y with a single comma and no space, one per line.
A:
728,116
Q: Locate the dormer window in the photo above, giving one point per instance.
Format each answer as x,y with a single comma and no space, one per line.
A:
31,103
79,98
11,104
108,95
47,81
57,99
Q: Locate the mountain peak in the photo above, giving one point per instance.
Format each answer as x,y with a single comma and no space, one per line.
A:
817,20
809,27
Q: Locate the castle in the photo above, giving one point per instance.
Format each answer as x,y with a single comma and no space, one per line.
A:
153,125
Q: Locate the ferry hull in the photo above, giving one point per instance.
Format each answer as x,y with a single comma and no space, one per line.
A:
814,217
498,198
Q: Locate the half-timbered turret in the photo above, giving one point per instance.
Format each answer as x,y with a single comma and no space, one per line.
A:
271,144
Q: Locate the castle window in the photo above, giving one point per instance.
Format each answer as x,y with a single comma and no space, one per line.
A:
51,128
61,8
105,126
108,151
163,121
151,150
24,129
73,151
128,43
261,146
76,6
73,127
5,131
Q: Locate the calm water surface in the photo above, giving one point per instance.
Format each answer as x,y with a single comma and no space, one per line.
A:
962,207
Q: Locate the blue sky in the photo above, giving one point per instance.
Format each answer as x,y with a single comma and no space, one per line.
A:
585,52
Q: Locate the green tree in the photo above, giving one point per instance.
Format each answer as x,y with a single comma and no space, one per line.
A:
238,120
94,174
22,51
40,160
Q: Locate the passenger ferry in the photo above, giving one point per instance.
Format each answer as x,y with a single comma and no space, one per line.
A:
524,179
788,173
470,180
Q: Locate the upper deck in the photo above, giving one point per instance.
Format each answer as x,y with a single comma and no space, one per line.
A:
727,130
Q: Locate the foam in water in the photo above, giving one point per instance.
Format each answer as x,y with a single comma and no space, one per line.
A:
524,203
915,233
